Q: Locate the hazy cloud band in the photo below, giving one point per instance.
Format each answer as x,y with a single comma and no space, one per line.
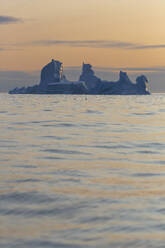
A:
9,19
95,44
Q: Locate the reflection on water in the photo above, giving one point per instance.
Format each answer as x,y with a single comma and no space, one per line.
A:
82,171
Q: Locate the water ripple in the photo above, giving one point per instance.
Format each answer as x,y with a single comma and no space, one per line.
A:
60,151
82,171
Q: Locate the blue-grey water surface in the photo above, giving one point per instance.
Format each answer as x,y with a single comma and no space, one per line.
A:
82,171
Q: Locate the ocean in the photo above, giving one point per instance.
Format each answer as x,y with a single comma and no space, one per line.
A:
82,171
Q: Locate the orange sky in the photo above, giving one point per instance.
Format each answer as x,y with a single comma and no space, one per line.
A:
106,33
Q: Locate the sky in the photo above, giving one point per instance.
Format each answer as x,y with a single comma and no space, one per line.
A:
114,34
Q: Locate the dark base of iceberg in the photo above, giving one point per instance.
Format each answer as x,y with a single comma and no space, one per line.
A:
54,82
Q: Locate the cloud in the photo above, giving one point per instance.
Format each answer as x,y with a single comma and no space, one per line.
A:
132,69
10,49
9,19
94,44
140,47
117,69
12,79
146,69
82,43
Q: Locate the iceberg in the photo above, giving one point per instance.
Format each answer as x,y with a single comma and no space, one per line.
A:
53,81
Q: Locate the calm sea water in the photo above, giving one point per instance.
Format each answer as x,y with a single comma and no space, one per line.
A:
82,171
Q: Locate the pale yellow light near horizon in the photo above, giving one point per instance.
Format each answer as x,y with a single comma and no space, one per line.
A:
134,21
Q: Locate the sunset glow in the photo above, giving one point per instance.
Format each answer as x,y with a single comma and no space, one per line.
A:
107,33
